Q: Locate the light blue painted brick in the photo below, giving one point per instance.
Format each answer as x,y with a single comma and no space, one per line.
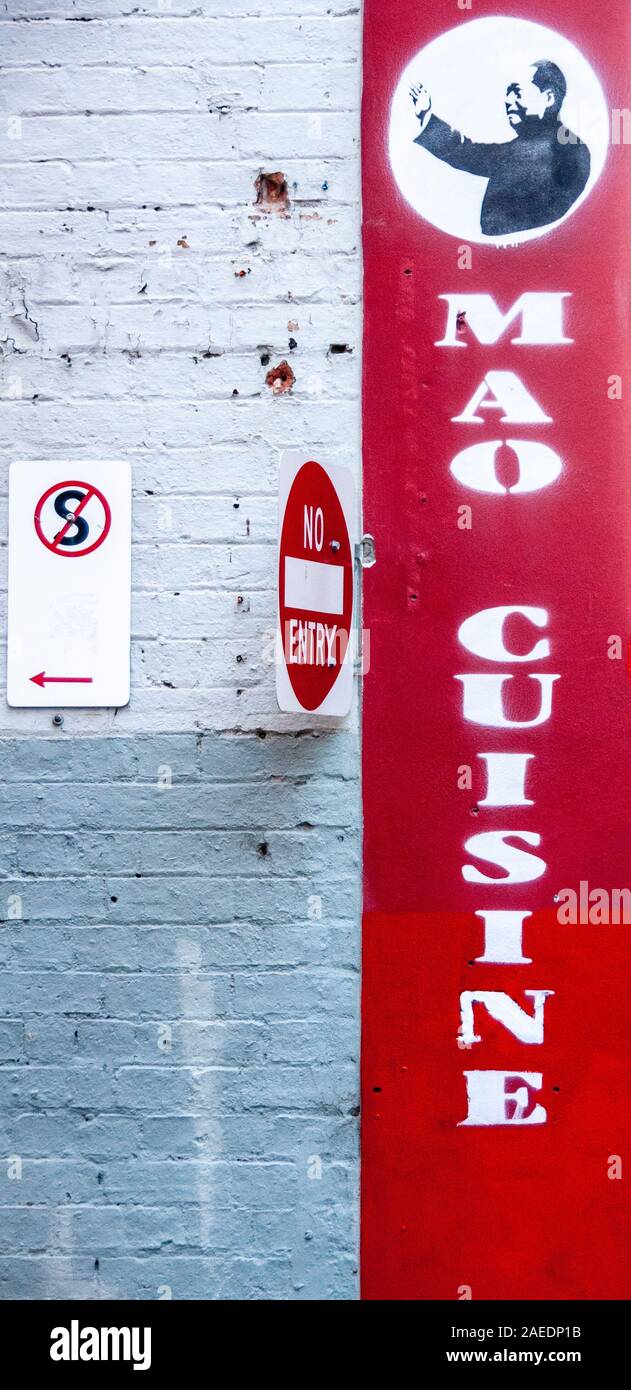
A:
287,1087
277,805
65,759
305,1040
189,899
24,1229
187,1166
68,1135
272,1136
49,992
180,752
262,854
60,899
85,1088
201,1183
47,1180
48,1276
156,1088
12,1047
314,943
177,948
166,996
9,860
124,1042
183,1228
95,852
129,1277
289,993
251,758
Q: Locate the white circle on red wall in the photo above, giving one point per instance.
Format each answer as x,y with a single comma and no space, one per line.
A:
467,71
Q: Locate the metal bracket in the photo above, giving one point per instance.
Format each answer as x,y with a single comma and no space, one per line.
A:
365,558
365,552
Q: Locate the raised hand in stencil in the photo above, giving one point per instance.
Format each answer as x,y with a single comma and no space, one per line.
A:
421,101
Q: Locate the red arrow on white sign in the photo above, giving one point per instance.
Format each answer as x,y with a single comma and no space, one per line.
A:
42,679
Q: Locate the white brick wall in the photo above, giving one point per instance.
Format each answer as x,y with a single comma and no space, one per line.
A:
120,137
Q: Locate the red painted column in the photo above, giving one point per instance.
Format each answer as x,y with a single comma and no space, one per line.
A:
497,1091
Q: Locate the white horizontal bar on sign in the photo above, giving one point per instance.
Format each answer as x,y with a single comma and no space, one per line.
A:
313,586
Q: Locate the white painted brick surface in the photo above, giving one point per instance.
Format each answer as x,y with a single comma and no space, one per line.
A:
126,129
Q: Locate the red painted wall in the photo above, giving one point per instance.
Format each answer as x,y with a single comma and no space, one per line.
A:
506,1211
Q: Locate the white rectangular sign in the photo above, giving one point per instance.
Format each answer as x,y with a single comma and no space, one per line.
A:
69,583
316,588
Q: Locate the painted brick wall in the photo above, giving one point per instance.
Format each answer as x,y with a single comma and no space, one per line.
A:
178,995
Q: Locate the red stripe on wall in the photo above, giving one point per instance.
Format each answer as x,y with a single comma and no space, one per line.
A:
506,1210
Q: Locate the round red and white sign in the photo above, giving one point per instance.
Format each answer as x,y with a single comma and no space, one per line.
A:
315,586
72,518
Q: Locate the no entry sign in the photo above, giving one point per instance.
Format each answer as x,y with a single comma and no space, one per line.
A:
314,658
497,749
69,624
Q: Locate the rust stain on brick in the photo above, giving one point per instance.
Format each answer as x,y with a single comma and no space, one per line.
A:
272,192
280,378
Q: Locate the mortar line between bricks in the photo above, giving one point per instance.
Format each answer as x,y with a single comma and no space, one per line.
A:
44,209
137,161
178,69
105,879
312,780
174,972
204,114
196,258
252,924
217,63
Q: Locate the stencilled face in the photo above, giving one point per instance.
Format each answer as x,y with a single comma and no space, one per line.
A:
525,101
497,84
